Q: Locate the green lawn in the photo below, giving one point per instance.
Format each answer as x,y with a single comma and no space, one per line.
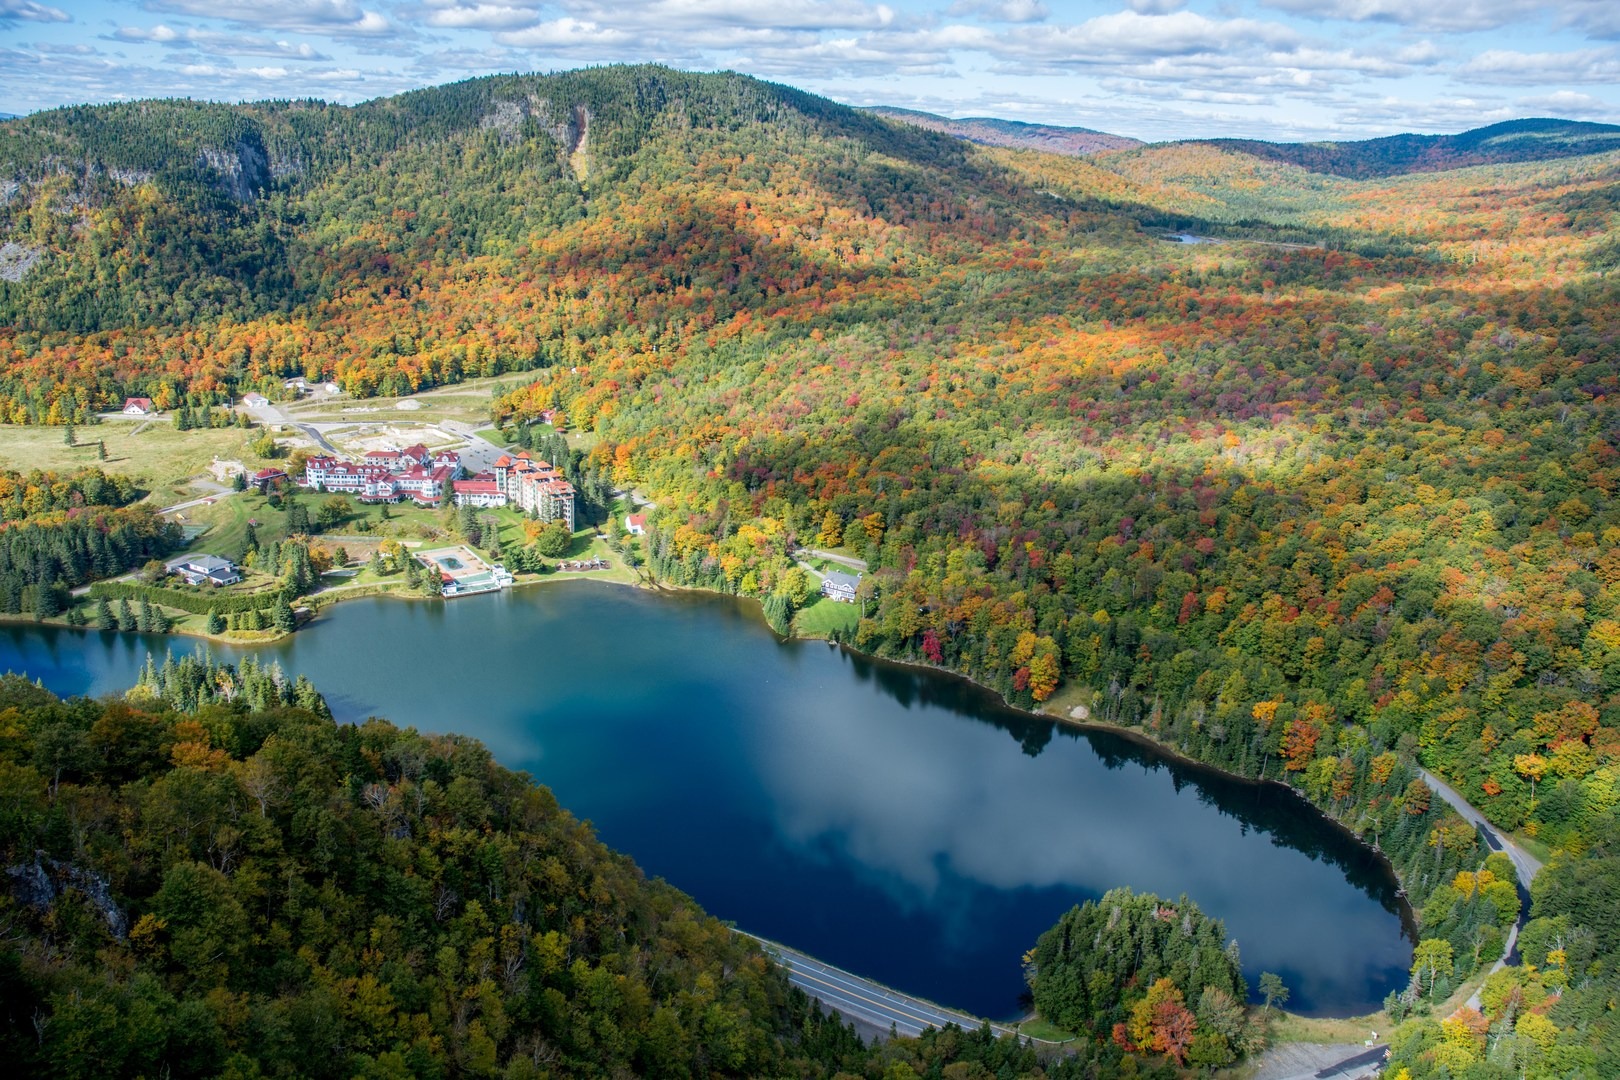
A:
161,459
1038,1028
822,617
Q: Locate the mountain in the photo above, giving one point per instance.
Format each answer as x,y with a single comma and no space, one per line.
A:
1343,483
1014,134
1510,141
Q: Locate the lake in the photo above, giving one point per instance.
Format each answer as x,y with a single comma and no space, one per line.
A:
896,822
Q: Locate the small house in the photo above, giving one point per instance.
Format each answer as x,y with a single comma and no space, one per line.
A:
297,386
138,406
840,586
265,477
255,401
333,388
635,524
209,569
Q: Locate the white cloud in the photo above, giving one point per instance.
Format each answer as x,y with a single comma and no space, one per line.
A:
28,11
499,15
1421,53
1127,34
216,41
816,15
1570,104
1008,11
1447,15
336,17
570,34
1504,67
1155,7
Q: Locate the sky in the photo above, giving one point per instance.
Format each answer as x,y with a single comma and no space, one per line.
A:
1153,69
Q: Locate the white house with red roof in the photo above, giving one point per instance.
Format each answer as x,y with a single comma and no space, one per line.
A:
635,524
481,491
138,406
385,475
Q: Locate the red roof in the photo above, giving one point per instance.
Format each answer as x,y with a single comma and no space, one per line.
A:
417,451
638,520
389,454
477,487
143,402
504,461
268,474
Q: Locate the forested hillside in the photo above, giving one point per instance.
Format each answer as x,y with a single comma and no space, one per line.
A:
1513,140
1014,134
1333,493
204,879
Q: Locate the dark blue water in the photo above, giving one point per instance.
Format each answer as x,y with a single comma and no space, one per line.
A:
896,822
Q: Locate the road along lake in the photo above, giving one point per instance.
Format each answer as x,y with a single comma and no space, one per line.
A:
897,822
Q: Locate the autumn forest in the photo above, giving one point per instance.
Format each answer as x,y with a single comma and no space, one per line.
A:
1328,497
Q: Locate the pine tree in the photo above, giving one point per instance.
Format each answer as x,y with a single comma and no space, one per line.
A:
126,617
104,617
216,622
283,617
144,621
101,449
69,436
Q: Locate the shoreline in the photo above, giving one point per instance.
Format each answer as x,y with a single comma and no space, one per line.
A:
1133,735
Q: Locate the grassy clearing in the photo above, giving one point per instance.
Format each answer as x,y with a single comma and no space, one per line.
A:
1038,1028
161,459
1286,1027
1067,698
824,616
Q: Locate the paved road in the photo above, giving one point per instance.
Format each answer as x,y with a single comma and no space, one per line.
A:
1525,863
479,454
270,414
866,1001
831,556
204,501
1360,1065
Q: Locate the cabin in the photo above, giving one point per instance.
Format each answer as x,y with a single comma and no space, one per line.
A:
205,569
265,477
837,585
297,386
255,401
635,524
138,406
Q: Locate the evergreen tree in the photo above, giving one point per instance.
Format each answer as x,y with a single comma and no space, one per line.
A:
104,617
239,481
282,615
126,617
216,622
101,449
69,436
145,621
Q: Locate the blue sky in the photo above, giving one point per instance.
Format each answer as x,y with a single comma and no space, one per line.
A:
1155,69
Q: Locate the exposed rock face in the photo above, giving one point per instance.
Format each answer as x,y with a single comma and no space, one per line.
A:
507,119
17,259
41,883
242,170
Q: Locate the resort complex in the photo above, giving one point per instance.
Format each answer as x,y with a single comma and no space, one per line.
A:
416,474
